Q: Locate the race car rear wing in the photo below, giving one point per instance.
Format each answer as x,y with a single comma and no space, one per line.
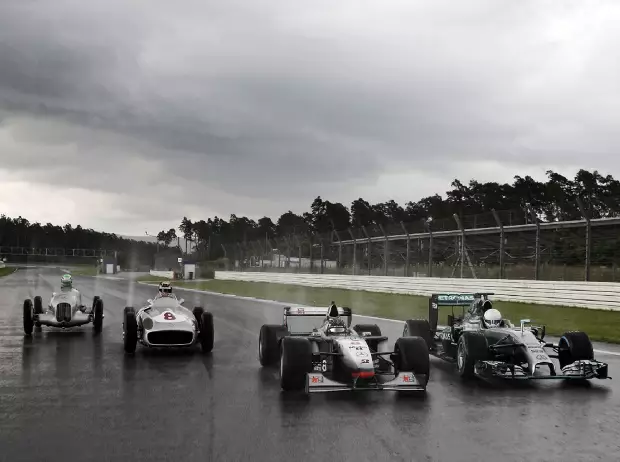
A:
438,300
289,311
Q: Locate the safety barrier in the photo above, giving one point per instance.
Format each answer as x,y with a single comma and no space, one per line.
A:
594,295
163,274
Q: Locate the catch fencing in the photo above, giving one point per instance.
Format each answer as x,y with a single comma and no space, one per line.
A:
595,295
497,245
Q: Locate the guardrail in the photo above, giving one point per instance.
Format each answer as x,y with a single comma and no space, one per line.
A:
593,295
163,274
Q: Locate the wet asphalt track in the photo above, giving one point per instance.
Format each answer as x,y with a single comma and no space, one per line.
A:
73,396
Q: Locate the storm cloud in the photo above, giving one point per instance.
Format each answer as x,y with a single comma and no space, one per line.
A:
125,116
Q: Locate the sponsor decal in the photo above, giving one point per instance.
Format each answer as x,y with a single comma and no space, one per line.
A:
316,379
365,361
301,311
446,335
537,350
169,316
407,378
361,353
542,357
455,297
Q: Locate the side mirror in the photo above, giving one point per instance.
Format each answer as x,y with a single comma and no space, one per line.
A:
53,294
181,301
523,323
150,300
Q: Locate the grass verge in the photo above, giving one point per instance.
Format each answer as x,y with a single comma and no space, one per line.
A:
598,324
84,270
5,271
149,278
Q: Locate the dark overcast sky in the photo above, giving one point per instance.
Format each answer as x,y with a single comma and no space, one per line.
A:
127,115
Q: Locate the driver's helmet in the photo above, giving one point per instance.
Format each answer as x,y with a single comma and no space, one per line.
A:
336,326
492,318
165,289
66,281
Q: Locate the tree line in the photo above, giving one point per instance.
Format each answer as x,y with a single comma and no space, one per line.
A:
552,200
19,232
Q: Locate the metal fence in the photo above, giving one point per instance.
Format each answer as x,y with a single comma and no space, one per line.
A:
506,245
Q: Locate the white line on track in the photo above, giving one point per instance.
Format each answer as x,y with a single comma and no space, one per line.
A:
271,302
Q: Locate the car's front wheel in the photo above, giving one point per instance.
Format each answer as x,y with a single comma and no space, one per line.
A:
130,330
268,343
472,347
295,363
98,316
28,319
207,332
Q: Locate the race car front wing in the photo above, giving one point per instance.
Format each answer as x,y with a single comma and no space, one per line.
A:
316,382
581,370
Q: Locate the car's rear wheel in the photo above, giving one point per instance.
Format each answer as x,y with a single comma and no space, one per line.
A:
295,363
98,316
268,343
419,328
472,347
130,330
367,330
28,320
207,332
38,305
574,346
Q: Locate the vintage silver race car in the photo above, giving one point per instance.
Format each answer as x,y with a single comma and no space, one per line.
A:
65,309
165,322
322,353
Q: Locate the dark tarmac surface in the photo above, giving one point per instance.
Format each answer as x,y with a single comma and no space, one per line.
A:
74,396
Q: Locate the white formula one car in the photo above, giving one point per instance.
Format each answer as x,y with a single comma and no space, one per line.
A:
165,322
65,309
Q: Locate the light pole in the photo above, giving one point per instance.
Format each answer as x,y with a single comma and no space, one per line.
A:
150,235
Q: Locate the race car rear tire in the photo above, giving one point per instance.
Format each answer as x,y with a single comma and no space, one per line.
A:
295,363
207,332
269,343
411,355
28,321
38,305
98,315
372,329
419,328
472,347
130,330
574,346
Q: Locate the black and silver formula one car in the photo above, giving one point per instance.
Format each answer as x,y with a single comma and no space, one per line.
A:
484,345
319,352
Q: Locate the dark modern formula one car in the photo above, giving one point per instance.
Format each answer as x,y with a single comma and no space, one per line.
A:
165,322
484,345
319,352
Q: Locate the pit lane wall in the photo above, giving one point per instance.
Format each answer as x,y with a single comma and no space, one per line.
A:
594,295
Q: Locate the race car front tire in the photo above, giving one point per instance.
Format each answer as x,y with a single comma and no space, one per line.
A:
207,332
95,302
472,347
295,363
98,315
130,330
269,343
28,321
38,305
574,346
411,355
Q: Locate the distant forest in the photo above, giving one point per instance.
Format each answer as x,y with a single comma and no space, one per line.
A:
551,200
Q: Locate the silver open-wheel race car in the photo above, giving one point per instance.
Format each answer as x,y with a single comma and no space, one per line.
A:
485,345
318,351
165,323
64,310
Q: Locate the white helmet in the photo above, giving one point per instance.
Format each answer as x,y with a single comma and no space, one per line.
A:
492,318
